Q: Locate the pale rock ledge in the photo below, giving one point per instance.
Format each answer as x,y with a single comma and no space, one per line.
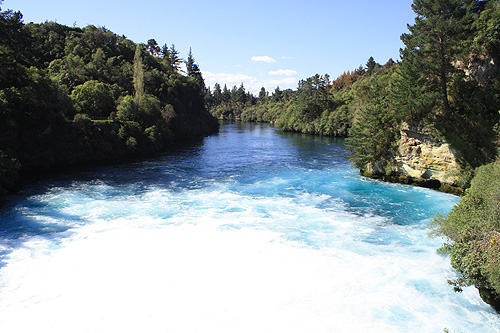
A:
421,156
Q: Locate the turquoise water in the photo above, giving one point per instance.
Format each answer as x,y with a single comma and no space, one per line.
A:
251,230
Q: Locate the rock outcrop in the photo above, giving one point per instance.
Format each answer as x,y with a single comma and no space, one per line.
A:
421,156
421,159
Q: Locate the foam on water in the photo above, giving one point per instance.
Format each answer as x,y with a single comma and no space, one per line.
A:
290,247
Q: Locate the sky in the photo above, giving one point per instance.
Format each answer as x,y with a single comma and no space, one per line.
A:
260,43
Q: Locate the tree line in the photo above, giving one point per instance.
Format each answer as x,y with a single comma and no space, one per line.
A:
319,105
71,96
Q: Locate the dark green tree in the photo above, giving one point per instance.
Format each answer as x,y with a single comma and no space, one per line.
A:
226,94
190,63
263,94
153,48
217,94
14,46
370,65
438,39
435,83
174,59
277,94
193,70
372,137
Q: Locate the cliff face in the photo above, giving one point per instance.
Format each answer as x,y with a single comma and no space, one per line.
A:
421,156
420,159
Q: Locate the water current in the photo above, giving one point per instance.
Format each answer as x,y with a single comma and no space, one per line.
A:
250,230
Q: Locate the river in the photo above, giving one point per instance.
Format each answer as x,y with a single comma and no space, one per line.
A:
251,230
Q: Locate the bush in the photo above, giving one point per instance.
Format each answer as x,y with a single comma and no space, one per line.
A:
131,143
94,98
472,230
127,109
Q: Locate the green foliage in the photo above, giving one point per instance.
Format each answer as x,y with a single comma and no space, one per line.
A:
487,39
472,231
97,99
318,106
127,109
371,138
73,95
370,65
444,79
131,143
138,75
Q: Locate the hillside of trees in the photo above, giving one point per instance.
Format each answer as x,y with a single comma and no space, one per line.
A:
318,106
71,96
448,80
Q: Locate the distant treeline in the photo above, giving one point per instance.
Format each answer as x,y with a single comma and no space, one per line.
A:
318,106
72,96
448,80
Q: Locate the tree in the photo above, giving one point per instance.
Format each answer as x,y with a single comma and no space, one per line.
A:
437,39
436,83
372,137
217,94
14,46
94,98
277,95
190,64
370,65
239,94
153,48
193,70
175,60
263,94
226,94
138,75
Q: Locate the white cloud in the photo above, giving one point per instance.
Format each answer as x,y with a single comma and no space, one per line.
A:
266,59
227,78
283,72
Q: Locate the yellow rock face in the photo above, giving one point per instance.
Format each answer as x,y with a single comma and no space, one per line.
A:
421,156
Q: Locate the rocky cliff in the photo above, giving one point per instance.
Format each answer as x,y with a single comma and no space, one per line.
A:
421,156
420,159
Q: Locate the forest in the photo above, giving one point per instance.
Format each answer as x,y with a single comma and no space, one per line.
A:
77,96
448,80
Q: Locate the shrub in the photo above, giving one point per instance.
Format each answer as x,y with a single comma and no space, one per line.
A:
472,231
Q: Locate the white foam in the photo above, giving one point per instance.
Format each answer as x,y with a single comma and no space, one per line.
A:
217,261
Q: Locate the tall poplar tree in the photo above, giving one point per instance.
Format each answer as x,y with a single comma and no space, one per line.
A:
138,75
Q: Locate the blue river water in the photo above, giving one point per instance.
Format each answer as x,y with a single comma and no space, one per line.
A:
250,230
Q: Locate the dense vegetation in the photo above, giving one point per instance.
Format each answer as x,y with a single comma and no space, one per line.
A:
472,230
70,96
448,80
318,106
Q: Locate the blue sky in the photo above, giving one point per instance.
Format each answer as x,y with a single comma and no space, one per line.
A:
258,43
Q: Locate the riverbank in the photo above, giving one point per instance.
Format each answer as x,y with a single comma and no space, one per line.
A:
420,182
